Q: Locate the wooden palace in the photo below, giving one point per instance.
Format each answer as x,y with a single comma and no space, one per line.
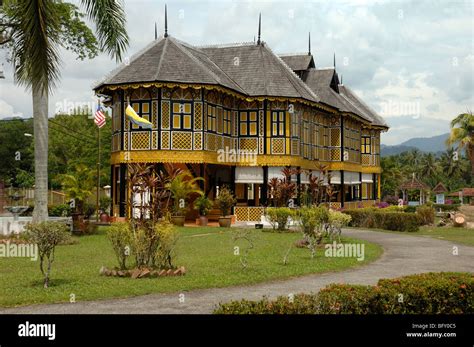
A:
236,115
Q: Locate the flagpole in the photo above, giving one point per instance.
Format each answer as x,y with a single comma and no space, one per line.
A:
98,173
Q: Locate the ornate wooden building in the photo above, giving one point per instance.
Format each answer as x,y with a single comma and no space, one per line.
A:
241,98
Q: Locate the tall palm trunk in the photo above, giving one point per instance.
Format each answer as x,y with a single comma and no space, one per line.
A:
470,155
40,115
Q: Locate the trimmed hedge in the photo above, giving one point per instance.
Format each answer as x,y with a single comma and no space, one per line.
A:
446,208
389,220
299,304
430,293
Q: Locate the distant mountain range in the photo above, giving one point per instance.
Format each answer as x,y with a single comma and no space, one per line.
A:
433,144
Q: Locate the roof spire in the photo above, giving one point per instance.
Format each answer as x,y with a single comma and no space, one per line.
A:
309,43
156,32
259,28
334,61
166,22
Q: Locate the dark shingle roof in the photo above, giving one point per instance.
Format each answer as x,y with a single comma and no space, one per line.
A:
171,61
362,106
258,71
247,68
250,69
298,62
320,80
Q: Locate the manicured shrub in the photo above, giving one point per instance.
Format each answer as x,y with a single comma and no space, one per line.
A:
62,210
391,199
430,293
381,219
46,236
426,214
297,304
168,236
120,235
311,221
278,217
446,207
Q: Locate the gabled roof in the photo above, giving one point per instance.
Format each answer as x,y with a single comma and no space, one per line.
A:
250,69
414,183
298,62
440,188
258,71
363,108
171,61
319,80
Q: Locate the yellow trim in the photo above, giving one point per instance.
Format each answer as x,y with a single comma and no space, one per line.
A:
197,157
102,89
379,190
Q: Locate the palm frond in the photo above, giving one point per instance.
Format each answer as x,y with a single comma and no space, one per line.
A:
35,43
109,17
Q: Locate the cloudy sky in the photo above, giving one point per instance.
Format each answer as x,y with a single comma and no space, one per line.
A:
412,61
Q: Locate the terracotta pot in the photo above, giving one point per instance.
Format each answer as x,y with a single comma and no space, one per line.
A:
203,221
104,218
225,222
178,220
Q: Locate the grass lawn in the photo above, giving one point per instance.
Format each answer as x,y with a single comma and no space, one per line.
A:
207,254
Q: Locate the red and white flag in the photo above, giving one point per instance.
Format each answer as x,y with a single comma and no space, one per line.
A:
99,118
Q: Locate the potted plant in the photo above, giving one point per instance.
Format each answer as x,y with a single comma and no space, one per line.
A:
203,205
225,201
181,187
104,205
78,186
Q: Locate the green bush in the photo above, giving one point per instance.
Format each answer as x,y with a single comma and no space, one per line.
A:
426,214
168,237
395,208
446,208
430,293
376,218
278,217
297,304
62,210
46,236
120,235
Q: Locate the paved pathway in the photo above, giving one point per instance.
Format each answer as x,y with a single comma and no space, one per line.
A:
403,255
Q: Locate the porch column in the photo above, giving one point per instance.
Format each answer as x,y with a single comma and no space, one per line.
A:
123,189
264,199
343,190
232,178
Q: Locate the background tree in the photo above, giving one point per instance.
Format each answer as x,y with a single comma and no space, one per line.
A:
16,151
34,31
462,135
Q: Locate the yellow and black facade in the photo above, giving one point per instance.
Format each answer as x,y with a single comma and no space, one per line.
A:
279,111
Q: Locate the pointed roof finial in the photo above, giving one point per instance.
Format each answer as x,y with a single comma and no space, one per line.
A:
156,31
334,61
309,43
259,28
166,22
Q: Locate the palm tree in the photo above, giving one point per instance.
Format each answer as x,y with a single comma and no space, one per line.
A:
429,169
462,135
34,29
